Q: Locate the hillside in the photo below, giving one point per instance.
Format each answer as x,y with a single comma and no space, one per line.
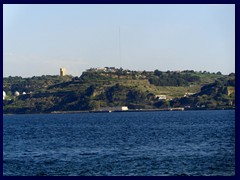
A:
110,87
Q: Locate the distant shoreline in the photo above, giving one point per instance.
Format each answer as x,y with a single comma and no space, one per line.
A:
127,111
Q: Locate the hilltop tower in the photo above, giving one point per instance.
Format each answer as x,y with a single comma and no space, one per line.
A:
62,71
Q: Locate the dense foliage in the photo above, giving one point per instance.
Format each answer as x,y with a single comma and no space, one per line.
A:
95,90
173,78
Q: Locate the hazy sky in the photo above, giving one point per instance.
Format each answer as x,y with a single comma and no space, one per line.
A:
39,39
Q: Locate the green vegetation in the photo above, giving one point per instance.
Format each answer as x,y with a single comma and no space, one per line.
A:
173,78
220,94
111,87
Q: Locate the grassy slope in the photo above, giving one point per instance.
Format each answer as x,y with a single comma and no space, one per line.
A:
66,85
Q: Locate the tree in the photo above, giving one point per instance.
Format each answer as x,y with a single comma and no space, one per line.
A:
231,82
90,90
162,104
135,96
157,72
150,96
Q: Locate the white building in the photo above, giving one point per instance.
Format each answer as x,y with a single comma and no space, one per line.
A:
4,95
16,93
124,108
160,96
117,108
188,94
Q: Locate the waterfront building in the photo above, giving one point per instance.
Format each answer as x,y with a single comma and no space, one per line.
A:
117,108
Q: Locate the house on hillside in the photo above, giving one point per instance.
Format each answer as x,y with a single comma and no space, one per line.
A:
188,94
160,96
16,93
4,95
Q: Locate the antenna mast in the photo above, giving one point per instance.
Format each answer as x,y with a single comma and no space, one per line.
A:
120,53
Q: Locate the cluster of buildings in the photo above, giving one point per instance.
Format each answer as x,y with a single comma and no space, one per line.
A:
105,69
164,97
98,69
117,108
16,93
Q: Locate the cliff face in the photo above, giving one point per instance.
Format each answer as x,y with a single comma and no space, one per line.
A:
94,90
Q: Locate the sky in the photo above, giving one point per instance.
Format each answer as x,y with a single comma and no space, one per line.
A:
40,39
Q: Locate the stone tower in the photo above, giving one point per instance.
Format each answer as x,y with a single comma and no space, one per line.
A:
62,71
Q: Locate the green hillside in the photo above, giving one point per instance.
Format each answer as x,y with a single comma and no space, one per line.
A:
111,87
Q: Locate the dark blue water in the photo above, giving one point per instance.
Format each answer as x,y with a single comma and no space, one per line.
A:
143,143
